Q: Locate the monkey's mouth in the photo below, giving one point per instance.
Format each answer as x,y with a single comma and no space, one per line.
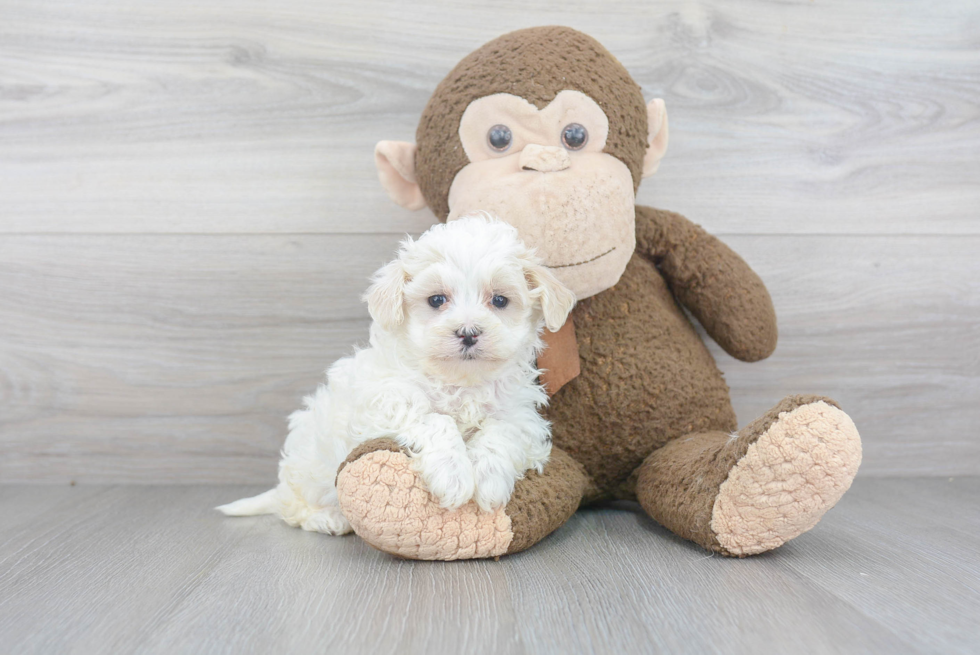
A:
586,261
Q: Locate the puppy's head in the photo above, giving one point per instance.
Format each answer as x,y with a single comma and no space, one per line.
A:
467,299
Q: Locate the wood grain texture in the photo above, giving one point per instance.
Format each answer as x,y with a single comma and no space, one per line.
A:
892,569
798,117
189,210
177,359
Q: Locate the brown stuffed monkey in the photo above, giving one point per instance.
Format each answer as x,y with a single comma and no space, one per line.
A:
546,129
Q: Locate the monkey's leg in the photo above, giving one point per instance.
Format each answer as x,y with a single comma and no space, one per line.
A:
746,493
389,507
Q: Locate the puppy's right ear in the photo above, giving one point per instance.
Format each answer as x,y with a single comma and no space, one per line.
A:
386,296
555,298
395,161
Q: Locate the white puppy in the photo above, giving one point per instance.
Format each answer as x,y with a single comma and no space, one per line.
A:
450,376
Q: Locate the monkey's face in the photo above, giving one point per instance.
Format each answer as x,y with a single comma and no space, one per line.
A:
545,172
544,128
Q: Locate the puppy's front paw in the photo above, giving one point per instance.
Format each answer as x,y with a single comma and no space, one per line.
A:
493,492
448,476
495,478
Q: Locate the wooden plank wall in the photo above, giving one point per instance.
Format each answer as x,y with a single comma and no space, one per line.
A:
189,209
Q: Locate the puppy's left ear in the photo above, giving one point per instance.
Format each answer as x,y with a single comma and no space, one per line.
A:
555,298
386,296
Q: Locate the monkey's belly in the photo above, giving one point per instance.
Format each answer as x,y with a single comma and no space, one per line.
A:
647,378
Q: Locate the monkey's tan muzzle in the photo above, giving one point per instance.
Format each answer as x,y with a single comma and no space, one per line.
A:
544,159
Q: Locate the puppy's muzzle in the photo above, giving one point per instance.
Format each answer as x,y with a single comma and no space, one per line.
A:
468,336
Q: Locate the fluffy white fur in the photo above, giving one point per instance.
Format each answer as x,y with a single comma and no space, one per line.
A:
465,408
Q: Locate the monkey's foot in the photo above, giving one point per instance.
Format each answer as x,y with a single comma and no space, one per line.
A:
796,470
389,507
750,492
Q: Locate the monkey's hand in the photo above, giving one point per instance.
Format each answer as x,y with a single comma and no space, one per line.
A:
708,278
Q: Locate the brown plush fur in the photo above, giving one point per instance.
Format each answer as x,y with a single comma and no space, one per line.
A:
542,503
534,64
708,278
649,415
646,381
646,378
678,484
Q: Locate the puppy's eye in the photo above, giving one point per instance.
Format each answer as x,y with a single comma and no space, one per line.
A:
574,136
499,137
437,301
499,302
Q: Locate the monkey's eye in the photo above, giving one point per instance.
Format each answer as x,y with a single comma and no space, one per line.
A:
574,136
499,137
499,301
437,301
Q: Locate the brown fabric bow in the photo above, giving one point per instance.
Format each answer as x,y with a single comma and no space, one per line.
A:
560,358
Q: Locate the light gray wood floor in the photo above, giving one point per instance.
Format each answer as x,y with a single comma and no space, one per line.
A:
189,214
189,210
893,569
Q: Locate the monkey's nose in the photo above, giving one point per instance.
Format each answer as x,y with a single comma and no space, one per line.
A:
544,159
468,336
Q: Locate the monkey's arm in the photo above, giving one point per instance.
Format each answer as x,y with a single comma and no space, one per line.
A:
708,278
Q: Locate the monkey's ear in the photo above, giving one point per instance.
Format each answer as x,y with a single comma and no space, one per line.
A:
396,169
657,137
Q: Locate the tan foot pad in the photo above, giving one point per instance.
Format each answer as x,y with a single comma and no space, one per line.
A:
797,470
388,507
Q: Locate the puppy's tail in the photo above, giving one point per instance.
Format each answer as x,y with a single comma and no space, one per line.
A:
262,504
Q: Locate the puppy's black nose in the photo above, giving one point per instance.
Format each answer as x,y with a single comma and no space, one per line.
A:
468,336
